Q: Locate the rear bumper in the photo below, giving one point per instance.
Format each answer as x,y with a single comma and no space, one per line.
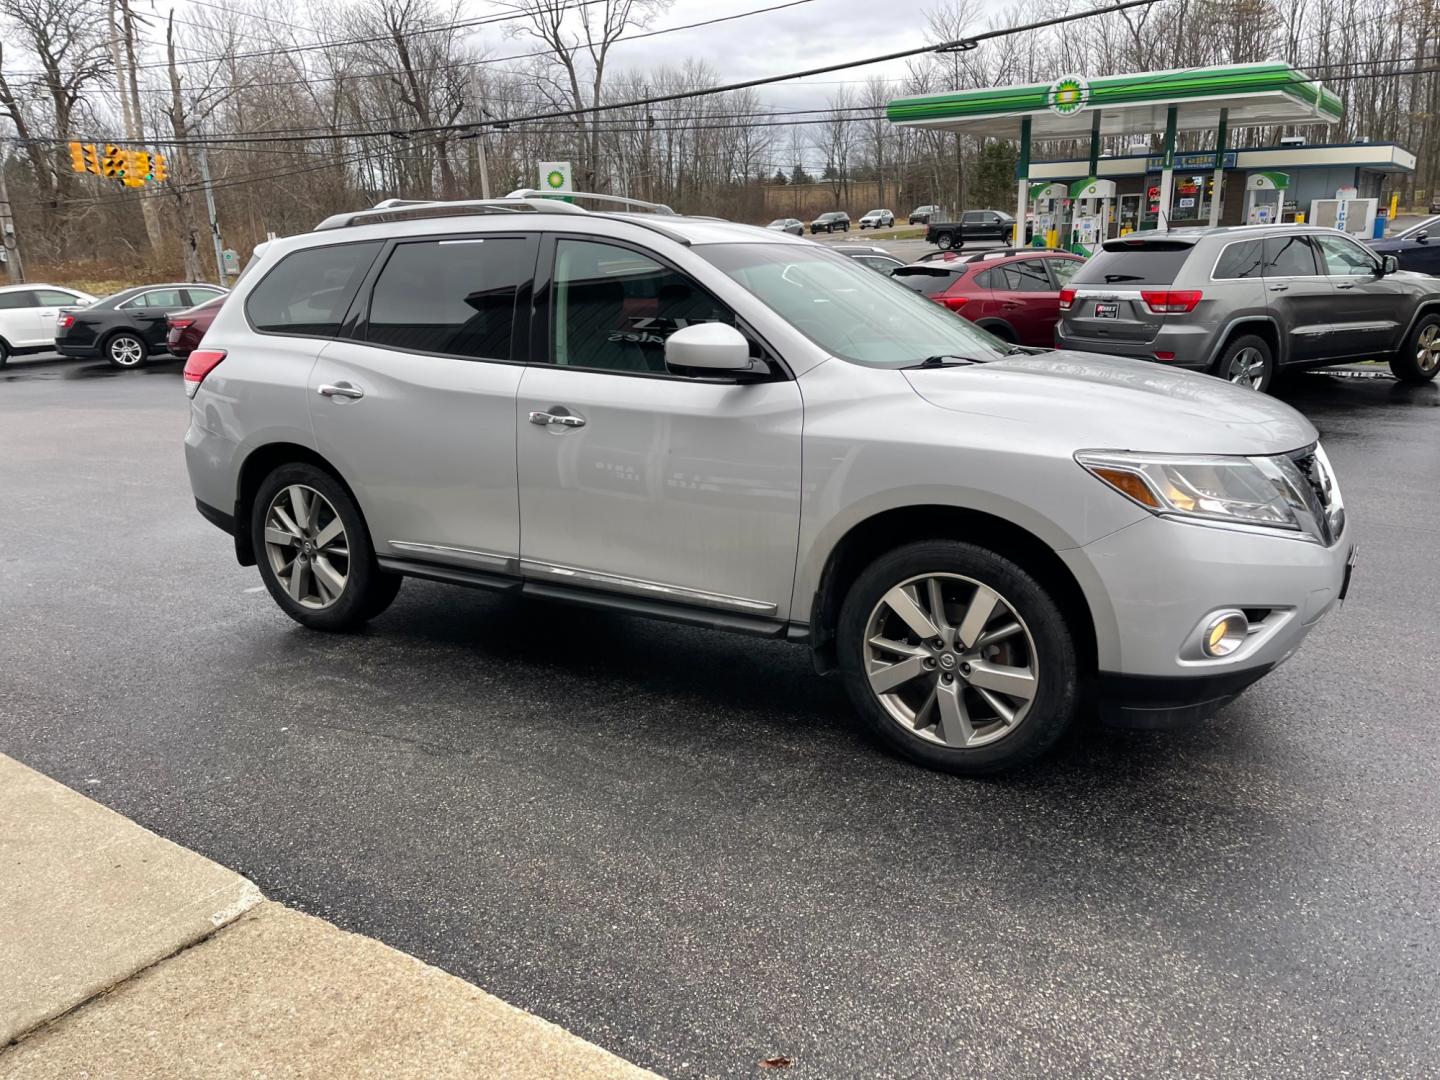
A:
80,352
1189,345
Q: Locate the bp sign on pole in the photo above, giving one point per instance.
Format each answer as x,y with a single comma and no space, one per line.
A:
554,176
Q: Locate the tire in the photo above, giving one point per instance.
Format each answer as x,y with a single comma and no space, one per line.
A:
1419,362
1247,361
945,241
980,739
125,350
315,601
1003,332
4,354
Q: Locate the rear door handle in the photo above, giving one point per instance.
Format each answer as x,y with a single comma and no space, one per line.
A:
557,419
342,389
1279,288
1346,285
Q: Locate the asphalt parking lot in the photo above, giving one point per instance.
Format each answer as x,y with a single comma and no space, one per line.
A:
681,846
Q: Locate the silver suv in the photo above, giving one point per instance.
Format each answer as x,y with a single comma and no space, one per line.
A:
734,428
1241,302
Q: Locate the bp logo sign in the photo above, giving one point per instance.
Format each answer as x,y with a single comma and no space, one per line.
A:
555,176
1068,94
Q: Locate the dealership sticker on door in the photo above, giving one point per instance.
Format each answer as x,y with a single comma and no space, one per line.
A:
1107,309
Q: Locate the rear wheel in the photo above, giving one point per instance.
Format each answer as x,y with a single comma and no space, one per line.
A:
4,354
1247,361
314,551
1419,362
125,350
944,241
957,658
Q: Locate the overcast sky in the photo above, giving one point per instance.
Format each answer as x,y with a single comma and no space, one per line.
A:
813,34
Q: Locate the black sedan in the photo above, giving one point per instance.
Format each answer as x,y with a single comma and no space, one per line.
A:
129,326
1417,248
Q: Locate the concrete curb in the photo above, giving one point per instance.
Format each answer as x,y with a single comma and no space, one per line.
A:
150,961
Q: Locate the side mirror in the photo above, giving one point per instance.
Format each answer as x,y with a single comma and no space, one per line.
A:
1422,237
1388,264
711,346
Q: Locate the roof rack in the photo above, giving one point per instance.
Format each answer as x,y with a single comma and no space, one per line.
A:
530,193
411,209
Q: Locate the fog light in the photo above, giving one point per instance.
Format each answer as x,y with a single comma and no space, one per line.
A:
1164,356
1225,633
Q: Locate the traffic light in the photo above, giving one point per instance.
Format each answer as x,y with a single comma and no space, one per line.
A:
92,158
113,165
160,168
77,157
137,168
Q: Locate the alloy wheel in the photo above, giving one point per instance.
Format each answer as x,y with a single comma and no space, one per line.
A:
307,546
126,351
950,660
1427,348
1247,368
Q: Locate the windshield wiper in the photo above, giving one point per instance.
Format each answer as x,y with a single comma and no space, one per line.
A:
942,360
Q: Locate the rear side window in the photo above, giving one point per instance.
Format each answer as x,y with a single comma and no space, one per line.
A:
1243,260
21,298
308,291
1028,275
52,298
451,297
1289,256
1146,263
927,281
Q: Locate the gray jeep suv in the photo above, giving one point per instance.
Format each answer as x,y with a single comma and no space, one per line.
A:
1242,302
710,423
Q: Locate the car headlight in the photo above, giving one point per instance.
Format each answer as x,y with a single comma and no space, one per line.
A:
1259,492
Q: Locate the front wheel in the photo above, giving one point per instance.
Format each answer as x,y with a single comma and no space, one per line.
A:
4,354
125,351
314,551
1419,362
957,658
945,241
1247,362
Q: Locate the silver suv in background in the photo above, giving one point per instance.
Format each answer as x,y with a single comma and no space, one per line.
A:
703,422
1242,302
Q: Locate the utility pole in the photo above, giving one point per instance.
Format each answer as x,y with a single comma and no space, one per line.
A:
484,167
214,224
134,121
8,239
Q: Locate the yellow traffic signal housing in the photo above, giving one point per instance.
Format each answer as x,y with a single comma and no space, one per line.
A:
159,167
114,163
137,164
77,156
92,158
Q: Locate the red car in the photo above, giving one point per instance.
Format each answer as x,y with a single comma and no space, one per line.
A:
1012,292
188,327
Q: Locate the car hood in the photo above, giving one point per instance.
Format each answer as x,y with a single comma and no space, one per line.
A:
1111,403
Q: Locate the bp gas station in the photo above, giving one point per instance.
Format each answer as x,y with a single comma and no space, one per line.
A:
1079,202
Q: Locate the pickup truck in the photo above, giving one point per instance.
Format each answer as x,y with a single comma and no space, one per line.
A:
974,225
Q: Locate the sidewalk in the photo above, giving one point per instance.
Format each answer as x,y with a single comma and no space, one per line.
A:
128,956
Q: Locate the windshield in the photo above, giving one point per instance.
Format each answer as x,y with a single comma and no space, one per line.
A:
1430,226
847,309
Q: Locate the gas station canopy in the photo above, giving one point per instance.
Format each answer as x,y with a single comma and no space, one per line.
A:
1252,94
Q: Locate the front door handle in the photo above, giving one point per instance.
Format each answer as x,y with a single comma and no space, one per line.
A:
558,419
1345,285
342,389
1279,288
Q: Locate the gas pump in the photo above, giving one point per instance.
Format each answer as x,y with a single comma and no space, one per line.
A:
1265,197
1090,213
1048,202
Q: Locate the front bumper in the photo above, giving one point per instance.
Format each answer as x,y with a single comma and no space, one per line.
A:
1152,585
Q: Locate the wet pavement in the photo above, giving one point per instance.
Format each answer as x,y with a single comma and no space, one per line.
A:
680,845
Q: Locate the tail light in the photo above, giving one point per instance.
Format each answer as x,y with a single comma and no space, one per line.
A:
64,322
954,303
1166,356
1170,301
1067,299
199,364
179,324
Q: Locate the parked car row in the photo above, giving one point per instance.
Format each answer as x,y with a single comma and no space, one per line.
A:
125,328
834,221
